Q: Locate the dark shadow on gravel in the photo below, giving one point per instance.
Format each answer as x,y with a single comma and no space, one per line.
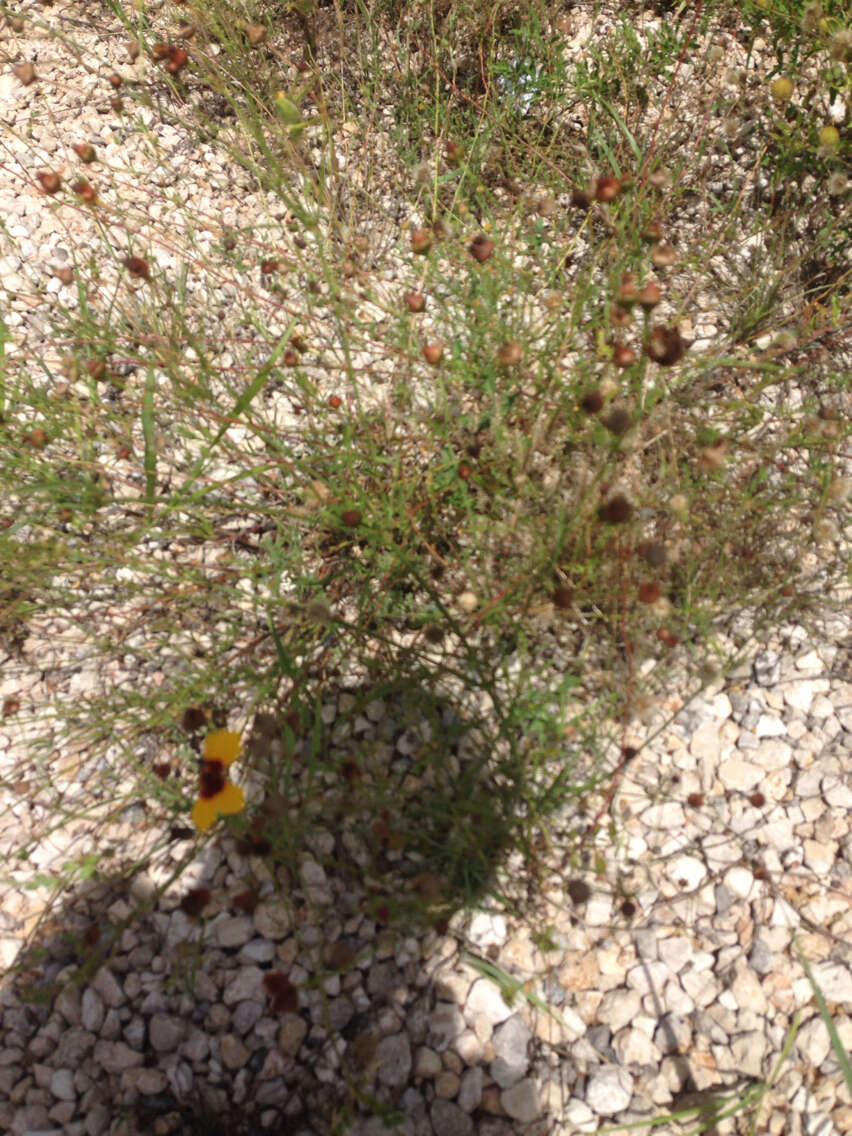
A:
285,983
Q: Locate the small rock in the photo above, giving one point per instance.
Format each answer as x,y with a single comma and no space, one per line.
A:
673,1034
748,1051
510,1042
739,775
618,1008
521,1101
813,1042
115,1056
394,1058
106,985
62,1085
291,1034
427,1063
234,1053
92,1010
315,883
231,930
149,1082
449,1120
447,1084
634,1047
166,1033
760,958
609,1091
246,983
272,920
767,668
445,1025
470,1090
485,998
486,929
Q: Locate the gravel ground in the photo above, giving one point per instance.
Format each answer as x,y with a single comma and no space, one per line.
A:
735,833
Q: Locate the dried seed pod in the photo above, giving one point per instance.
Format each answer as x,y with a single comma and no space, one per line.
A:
510,354
665,346
415,301
622,355
454,153
712,458
25,73
607,189
255,34
616,511
592,402
421,241
178,59
562,597
50,181
85,190
138,267
649,295
351,518
481,248
85,151
433,353
618,421
649,592
663,254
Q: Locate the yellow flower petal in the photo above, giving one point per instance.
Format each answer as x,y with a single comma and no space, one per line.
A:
230,800
222,745
204,813
206,810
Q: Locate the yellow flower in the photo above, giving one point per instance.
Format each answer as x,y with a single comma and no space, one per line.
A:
226,802
217,796
223,746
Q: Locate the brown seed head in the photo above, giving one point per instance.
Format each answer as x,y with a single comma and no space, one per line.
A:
592,402
50,180
618,421
132,47
115,80
351,518
85,190
433,353
84,151
665,346
415,301
255,34
421,241
649,295
607,188
25,73
178,59
616,511
481,248
37,438
562,597
137,267
649,592
454,153
663,254
510,354
622,355
620,316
